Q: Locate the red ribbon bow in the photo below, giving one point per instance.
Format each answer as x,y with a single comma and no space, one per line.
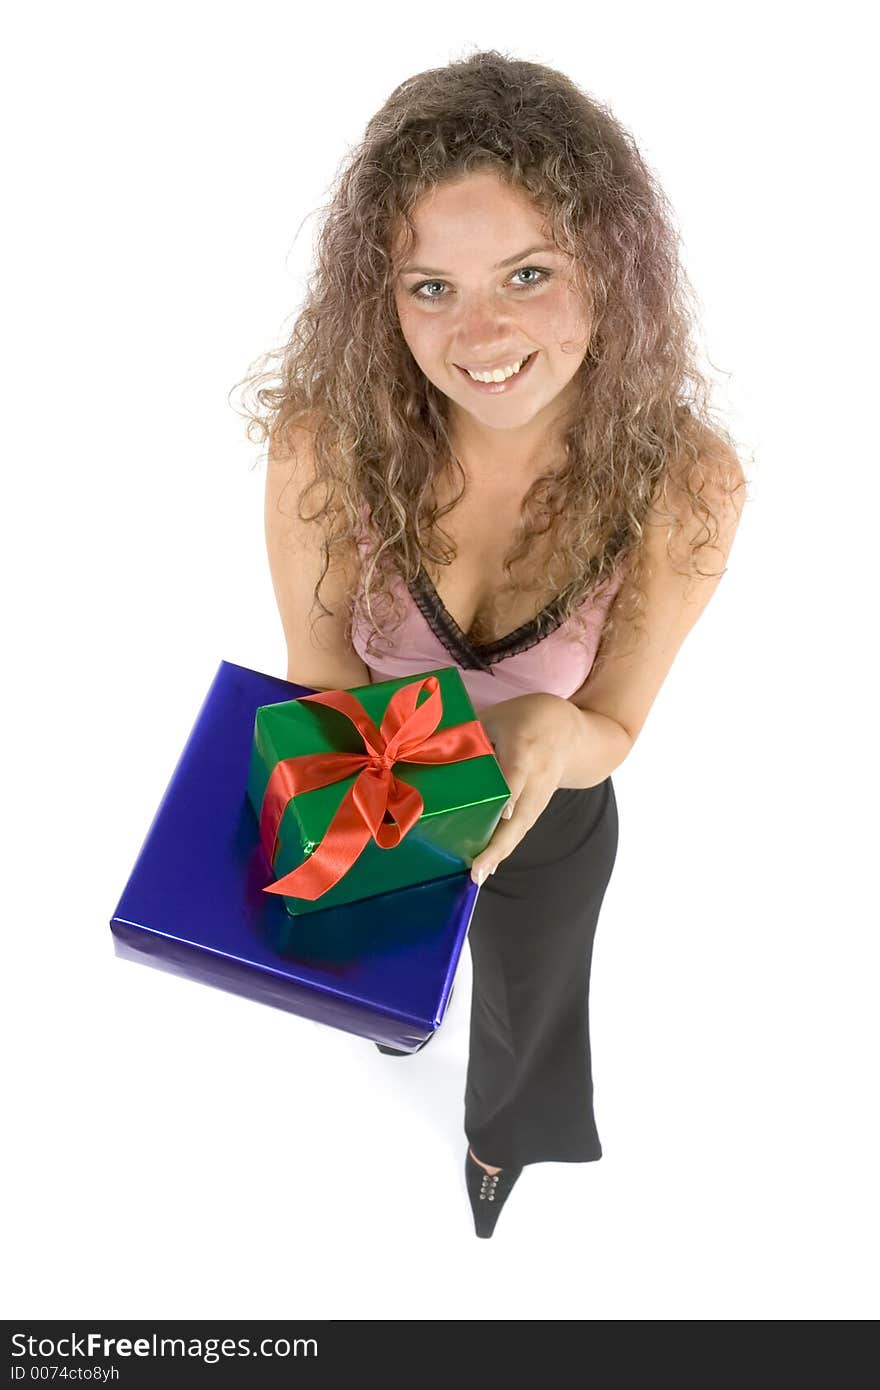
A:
407,734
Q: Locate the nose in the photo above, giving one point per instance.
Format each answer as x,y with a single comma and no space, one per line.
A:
484,330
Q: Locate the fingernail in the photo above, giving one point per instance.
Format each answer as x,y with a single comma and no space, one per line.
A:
481,874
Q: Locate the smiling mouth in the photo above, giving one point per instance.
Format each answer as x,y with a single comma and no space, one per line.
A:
524,364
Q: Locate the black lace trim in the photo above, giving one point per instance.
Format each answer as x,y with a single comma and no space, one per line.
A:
480,656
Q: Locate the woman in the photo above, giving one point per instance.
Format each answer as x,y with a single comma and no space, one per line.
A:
497,335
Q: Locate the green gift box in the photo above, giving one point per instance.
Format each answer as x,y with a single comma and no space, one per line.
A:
439,813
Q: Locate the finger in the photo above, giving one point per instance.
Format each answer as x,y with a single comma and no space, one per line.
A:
502,844
507,836
509,809
516,781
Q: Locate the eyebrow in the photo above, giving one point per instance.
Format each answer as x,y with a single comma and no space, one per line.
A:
502,265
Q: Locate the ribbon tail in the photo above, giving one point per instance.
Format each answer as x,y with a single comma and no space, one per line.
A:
298,774
344,842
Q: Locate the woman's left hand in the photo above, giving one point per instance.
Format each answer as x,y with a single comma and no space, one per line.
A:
532,736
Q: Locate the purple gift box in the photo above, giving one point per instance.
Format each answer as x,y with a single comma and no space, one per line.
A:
382,968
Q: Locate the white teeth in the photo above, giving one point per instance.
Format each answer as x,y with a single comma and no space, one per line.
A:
500,373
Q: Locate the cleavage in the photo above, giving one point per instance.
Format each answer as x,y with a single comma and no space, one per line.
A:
471,587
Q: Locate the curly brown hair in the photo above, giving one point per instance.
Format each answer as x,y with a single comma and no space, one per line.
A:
641,437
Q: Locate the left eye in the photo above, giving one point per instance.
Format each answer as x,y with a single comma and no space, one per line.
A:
544,274
524,270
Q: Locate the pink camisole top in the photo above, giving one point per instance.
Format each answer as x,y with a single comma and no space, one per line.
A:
544,654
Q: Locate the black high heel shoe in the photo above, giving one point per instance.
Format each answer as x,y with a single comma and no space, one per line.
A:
487,1192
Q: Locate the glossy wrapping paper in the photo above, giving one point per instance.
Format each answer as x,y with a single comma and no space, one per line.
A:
444,787
195,904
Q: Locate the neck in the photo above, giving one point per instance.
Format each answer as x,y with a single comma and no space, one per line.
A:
519,454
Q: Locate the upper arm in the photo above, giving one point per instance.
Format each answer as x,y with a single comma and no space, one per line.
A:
627,683
318,654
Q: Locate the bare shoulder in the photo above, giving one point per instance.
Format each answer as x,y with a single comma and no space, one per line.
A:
626,684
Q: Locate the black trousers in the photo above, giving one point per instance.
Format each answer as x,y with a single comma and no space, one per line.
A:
529,1089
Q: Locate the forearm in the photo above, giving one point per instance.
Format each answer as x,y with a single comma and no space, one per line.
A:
600,747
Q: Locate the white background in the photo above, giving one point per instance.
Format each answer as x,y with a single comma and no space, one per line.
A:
175,1151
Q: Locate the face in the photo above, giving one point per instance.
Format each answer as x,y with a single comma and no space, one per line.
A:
459,307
